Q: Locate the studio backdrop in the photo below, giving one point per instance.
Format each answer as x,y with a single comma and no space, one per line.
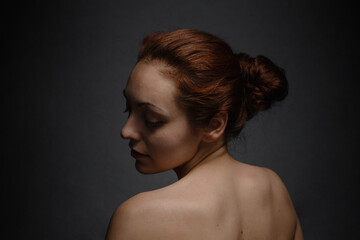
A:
67,168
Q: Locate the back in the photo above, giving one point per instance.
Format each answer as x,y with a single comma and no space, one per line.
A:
230,200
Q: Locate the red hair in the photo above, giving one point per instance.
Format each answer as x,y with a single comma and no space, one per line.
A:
211,78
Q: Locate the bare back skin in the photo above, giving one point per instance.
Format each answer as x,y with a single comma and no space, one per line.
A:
219,199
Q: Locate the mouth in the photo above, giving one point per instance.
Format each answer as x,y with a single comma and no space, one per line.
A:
137,155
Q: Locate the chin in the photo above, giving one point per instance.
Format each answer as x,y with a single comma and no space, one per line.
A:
145,169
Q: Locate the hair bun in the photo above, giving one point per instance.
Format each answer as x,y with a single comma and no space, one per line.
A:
265,83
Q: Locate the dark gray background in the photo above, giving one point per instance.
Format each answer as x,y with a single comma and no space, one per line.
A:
66,167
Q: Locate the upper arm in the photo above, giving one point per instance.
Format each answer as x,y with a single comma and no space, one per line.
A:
130,219
298,232
120,226
284,207
145,217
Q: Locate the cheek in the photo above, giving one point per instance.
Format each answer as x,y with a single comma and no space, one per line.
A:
173,147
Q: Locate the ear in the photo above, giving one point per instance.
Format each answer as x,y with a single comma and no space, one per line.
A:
216,127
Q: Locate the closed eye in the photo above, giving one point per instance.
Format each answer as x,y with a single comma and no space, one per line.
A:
153,125
127,109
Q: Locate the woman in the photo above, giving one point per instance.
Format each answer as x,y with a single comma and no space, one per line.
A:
187,96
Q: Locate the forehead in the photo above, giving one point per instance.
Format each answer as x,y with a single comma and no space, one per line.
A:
148,84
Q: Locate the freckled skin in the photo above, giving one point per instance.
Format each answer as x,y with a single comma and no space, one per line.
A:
173,143
216,196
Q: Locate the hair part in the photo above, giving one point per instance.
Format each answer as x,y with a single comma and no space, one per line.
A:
211,78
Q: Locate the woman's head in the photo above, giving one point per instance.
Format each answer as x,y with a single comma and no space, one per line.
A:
186,84
161,137
212,79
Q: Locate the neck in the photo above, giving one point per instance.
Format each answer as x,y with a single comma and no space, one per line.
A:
205,155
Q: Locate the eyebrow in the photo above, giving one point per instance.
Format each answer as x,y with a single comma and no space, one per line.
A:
140,104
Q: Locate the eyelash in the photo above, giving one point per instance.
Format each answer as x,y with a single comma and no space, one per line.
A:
149,124
153,125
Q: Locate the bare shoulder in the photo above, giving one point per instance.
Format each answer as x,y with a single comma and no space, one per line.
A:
133,218
266,199
151,214
262,182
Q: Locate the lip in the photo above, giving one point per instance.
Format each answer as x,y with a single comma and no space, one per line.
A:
137,155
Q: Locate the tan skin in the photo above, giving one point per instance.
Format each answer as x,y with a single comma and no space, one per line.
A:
216,197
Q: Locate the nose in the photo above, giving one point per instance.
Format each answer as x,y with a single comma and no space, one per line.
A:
129,130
